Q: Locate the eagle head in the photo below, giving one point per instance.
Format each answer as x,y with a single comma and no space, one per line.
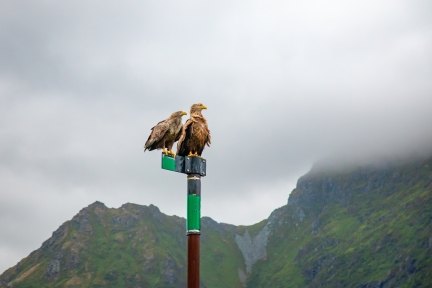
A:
178,114
197,108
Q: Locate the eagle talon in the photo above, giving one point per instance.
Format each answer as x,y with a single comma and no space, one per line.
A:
171,153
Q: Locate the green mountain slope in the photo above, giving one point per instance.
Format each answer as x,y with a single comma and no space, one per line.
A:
365,227
133,246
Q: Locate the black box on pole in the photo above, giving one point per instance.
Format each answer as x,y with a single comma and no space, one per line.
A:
186,165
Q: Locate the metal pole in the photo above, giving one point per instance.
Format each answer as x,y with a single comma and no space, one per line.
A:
193,260
195,168
193,229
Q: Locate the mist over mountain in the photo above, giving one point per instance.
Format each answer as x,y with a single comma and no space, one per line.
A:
362,226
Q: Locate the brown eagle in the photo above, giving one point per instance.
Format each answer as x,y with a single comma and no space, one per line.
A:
195,133
165,133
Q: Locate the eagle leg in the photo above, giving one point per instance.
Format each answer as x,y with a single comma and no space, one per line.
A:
165,151
171,153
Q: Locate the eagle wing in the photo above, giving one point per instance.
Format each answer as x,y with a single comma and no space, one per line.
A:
202,136
179,133
157,135
184,138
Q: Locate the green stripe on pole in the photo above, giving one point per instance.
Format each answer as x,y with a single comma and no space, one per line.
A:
193,213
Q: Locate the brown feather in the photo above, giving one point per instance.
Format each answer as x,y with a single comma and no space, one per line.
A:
195,133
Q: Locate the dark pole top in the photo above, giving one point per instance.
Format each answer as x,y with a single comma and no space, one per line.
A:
194,184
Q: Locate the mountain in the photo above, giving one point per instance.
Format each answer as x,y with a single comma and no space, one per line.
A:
132,246
360,227
365,227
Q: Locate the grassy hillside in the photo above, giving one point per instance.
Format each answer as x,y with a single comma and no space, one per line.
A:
133,246
368,227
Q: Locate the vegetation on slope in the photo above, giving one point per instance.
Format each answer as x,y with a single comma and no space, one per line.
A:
133,246
370,228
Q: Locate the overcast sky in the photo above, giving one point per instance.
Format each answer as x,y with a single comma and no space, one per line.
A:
286,82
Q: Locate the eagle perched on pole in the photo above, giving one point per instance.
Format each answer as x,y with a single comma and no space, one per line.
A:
165,133
195,133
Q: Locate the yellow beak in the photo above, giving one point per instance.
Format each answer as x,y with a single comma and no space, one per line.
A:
203,107
183,113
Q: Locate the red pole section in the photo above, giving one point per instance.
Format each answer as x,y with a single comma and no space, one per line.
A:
193,260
